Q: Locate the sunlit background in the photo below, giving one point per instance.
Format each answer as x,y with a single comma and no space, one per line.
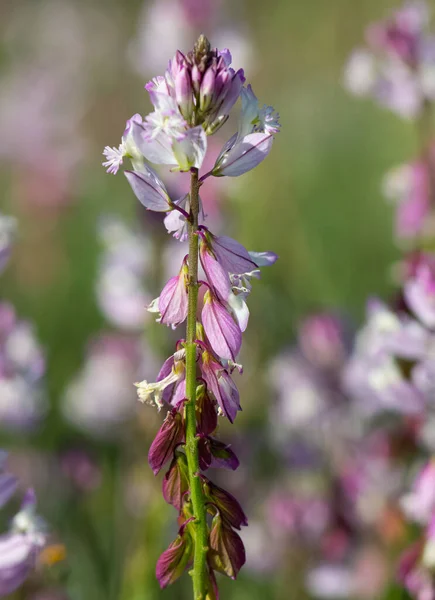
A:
87,259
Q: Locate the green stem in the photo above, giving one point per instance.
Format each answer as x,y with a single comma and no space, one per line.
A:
196,492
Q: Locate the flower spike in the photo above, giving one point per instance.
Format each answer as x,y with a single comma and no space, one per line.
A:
191,101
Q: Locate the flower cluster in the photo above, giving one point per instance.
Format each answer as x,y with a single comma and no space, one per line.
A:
391,370
398,68
341,476
191,102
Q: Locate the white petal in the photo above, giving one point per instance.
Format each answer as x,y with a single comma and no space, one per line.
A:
158,150
190,151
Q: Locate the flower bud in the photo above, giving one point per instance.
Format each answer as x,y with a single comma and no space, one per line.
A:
196,79
232,91
222,85
207,88
183,93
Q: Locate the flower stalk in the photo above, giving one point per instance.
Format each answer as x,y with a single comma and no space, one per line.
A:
192,454
191,102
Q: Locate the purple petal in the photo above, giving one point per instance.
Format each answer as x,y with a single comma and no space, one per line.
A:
226,55
173,301
173,562
166,368
179,392
222,387
233,257
148,190
217,277
229,395
175,222
222,331
222,456
164,372
233,93
16,561
170,434
245,155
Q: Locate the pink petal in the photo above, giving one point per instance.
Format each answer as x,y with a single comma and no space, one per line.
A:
173,301
217,277
223,333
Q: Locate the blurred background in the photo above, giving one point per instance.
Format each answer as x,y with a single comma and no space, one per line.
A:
86,260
